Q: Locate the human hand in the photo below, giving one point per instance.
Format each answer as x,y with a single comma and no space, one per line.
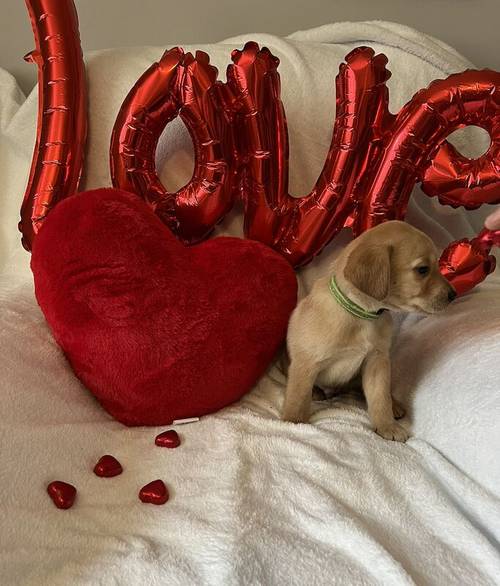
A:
492,222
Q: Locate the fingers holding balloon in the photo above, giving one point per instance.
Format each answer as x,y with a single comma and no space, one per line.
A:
492,222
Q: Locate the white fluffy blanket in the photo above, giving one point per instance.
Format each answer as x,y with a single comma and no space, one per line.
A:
253,500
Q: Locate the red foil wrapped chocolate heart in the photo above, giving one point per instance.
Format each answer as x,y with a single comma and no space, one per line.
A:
168,439
107,467
62,494
155,493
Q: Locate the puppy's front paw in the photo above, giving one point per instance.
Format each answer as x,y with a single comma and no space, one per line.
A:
398,409
393,432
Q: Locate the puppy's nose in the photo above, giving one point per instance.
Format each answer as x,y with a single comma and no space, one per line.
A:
451,295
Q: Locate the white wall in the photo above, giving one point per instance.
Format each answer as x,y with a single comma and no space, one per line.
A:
471,26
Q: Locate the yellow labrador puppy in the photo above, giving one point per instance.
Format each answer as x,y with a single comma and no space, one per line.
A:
344,327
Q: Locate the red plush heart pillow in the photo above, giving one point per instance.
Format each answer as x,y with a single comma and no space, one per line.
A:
155,330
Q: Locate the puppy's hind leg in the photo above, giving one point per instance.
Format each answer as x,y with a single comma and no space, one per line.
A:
301,377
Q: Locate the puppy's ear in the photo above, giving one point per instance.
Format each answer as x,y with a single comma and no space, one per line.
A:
369,270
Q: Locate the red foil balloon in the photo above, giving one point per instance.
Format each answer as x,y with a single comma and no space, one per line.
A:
300,227
62,112
63,495
415,149
185,85
466,263
374,160
457,180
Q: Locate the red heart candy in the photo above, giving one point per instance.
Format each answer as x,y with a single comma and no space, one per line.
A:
155,493
108,466
168,439
156,330
62,494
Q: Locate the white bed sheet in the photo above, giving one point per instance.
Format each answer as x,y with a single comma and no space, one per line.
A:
253,500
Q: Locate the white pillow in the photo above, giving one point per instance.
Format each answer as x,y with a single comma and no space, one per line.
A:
446,369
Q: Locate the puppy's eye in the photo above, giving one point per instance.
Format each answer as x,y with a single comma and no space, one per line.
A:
423,270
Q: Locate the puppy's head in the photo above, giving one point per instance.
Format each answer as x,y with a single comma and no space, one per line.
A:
397,264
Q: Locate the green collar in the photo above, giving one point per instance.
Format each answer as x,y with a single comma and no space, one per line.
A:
349,305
